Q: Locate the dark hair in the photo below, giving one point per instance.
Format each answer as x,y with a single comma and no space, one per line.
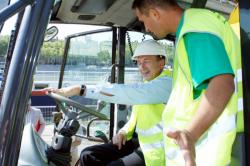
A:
160,57
143,5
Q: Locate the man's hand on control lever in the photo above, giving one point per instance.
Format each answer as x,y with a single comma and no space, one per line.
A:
67,91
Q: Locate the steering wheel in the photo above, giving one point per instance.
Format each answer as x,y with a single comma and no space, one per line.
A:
61,99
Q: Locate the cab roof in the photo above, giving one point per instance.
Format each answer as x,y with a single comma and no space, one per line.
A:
118,12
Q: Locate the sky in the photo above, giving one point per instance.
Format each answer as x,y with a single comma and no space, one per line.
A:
3,3
64,30
67,29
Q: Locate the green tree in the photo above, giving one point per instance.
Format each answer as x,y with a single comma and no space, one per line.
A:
52,52
4,40
129,54
170,53
104,56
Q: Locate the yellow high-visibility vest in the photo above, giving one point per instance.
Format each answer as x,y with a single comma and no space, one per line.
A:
214,147
148,121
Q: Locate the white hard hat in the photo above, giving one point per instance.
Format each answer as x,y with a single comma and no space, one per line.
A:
149,47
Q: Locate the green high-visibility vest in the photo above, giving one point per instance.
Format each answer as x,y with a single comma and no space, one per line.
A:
214,147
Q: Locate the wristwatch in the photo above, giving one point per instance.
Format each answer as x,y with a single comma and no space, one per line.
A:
83,88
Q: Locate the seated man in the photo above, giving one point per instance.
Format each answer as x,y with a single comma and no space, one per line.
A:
148,99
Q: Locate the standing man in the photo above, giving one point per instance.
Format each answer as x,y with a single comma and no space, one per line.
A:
200,113
149,98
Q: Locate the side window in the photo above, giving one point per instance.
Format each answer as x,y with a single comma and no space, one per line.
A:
49,64
4,41
6,34
89,59
3,4
89,62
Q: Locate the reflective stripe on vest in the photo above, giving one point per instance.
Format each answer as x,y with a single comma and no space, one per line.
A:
240,104
239,75
151,131
239,81
223,125
152,146
240,117
171,153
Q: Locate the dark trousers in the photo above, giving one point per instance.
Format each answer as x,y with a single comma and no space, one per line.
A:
109,155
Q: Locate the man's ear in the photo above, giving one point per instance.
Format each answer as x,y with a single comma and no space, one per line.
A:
154,14
162,63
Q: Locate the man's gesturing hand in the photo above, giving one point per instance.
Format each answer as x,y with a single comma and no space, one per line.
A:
184,140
